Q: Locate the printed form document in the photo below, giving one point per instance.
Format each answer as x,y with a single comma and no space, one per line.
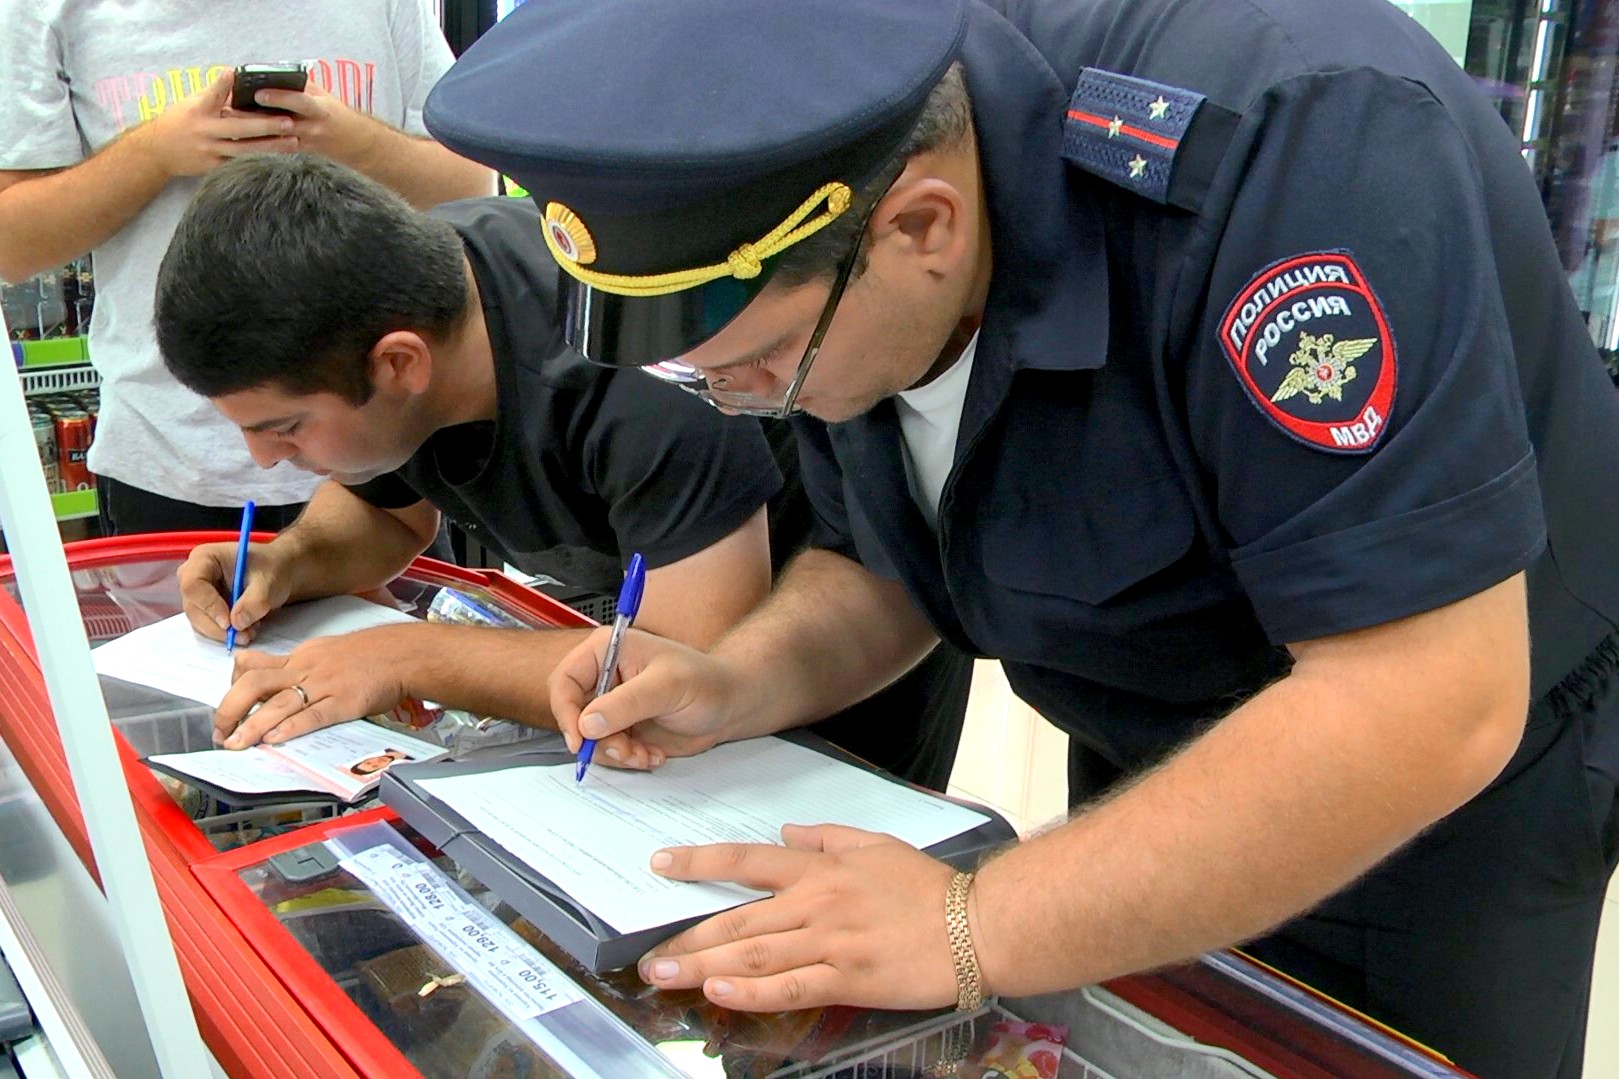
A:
345,761
595,839
171,656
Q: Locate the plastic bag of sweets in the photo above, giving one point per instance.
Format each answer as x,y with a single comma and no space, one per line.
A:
1017,1050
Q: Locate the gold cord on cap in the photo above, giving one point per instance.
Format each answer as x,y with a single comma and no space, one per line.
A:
746,262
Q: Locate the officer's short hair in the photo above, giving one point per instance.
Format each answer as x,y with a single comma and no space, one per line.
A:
946,123
287,268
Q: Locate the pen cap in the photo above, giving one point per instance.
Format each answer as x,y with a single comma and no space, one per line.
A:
629,593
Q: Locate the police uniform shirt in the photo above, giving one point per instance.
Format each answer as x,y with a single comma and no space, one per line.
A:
583,465
1301,366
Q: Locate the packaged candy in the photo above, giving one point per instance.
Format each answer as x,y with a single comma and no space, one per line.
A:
1017,1050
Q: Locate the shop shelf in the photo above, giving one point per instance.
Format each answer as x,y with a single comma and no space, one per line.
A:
54,352
70,505
58,379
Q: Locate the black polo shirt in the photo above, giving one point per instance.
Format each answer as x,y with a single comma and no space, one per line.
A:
584,465
1166,470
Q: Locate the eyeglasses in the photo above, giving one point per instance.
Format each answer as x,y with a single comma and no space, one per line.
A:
711,388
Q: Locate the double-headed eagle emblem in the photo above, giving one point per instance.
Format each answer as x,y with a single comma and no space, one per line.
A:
1321,366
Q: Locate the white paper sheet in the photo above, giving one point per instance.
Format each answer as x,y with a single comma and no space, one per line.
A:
502,966
323,760
170,656
595,839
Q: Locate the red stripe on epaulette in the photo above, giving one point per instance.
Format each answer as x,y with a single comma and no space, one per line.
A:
1124,129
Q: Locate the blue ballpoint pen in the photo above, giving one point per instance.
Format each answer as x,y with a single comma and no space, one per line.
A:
629,601
241,573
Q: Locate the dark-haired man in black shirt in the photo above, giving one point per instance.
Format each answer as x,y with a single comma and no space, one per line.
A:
412,358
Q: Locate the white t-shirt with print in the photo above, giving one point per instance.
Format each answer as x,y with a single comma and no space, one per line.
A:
80,72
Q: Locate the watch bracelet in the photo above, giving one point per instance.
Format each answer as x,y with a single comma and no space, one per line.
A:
969,979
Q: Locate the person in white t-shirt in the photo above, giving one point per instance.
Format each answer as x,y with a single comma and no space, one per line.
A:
112,113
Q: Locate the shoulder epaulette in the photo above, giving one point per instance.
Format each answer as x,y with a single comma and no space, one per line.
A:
1159,141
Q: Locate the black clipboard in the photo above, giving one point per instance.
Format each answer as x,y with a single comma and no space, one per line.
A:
595,944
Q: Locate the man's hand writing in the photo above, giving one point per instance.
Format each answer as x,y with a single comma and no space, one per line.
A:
671,700
205,578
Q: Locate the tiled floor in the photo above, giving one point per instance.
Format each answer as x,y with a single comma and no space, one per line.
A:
1014,761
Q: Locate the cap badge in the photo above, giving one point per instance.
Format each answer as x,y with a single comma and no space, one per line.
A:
569,239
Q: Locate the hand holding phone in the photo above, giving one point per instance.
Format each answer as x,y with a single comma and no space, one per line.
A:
251,78
200,131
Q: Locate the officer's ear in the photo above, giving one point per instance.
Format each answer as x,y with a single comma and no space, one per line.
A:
924,220
401,362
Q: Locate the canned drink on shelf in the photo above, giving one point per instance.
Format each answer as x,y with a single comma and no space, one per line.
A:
90,401
73,446
45,441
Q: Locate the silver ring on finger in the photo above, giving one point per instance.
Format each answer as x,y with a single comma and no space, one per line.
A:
303,694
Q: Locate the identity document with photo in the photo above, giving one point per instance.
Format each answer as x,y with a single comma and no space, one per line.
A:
343,762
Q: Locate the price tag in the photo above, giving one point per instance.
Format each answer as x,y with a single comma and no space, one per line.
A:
498,963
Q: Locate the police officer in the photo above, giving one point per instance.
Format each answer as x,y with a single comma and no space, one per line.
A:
1209,364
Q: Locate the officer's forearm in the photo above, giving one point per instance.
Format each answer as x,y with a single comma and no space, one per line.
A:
488,672
830,635
1374,736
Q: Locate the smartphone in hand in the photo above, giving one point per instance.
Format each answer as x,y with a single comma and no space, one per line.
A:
251,78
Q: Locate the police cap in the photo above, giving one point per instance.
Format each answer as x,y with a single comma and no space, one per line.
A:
676,147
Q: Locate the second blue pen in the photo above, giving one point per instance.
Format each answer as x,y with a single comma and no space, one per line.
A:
629,602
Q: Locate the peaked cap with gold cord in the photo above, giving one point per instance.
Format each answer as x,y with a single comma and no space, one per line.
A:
676,147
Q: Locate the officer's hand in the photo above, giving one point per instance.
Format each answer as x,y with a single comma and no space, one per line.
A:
342,678
671,700
855,918
200,132
324,125
205,582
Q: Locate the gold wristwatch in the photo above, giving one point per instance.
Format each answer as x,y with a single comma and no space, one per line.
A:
969,981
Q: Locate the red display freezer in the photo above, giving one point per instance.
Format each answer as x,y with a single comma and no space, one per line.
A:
296,974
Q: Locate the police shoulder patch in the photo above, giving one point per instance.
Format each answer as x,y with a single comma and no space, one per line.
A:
1308,340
